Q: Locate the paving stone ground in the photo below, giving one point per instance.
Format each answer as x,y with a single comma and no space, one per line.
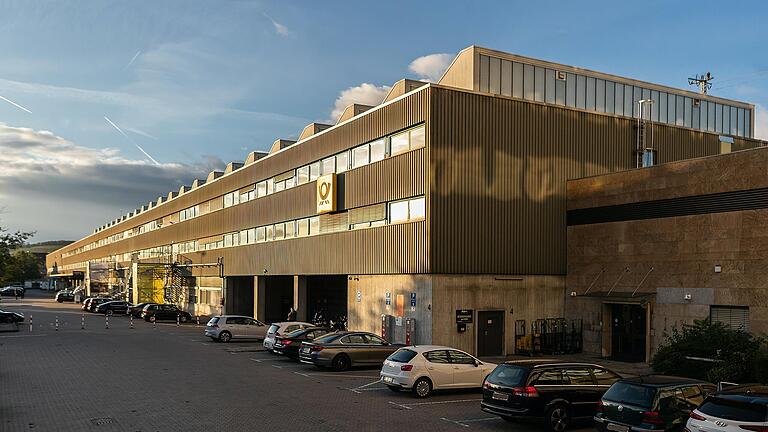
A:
174,379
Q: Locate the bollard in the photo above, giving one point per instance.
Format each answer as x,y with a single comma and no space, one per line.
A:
106,321
131,321
30,323
154,324
57,323
82,322
198,320
177,320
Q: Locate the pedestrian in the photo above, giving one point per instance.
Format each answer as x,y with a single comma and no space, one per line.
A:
292,314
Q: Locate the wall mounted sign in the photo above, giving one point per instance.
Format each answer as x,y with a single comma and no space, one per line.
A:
326,193
388,298
464,316
413,299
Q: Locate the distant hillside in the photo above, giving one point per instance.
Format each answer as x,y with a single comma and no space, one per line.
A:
45,247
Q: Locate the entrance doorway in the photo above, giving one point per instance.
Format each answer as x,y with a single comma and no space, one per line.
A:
326,296
239,295
490,333
628,325
278,293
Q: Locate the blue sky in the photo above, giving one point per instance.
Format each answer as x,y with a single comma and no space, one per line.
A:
200,83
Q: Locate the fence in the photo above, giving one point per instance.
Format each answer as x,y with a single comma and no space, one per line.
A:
548,336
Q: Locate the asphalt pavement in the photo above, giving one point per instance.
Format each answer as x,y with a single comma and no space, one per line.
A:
169,378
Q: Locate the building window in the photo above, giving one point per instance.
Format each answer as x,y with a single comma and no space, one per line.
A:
261,189
649,158
290,229
378,150
303,227
342,162
360,156
398,212
416,209
734,317
417,138
261,234
328,166
399,144
279,231
314,171
302,174
314,225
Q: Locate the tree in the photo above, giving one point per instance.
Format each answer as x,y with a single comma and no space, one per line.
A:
8,242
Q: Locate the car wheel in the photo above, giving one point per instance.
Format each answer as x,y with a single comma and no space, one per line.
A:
340,363
394,389
422,387
557,418
225,336
60,301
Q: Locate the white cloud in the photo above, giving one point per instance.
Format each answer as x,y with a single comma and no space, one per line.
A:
366,94
279,28
761,122
432,66
52,173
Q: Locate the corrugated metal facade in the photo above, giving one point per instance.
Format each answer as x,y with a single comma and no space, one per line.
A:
498,170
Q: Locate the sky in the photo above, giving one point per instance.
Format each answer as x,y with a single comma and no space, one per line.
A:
106,105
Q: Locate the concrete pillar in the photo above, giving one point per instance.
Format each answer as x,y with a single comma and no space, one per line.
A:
607,332
300,297
229,297
259,297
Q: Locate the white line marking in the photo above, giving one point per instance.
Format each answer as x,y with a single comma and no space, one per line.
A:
400,405
463,423
456,422
24,335
369,384
442,402
339,375
276,366
266,360
302,374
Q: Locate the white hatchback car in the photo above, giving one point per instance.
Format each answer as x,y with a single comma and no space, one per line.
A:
424,368
281,328
224,328
738,409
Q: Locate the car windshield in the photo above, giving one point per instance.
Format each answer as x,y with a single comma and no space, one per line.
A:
736,410
402,355
631,394
508,375
213,321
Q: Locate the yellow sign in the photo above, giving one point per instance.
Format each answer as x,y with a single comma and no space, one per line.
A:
326,193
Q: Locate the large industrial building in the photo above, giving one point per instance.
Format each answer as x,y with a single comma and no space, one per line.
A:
438,216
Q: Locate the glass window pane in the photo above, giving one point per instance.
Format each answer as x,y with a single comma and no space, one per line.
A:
360,156
279,231
628,98
328,166
704,116
559,91
417,209
711,116
290,229
655,105
279,186
734,120
663,107
680,110
688,114
538,87
695,109
506,78
302,227
581,91
342,162
747,123
528,79
399,143
494,70
261,189
590,93
549,87
270,232
718,117
570,90
726,119
484,66
637,95
314,225
378,150
252,235
610,100
671,103
302,174
517,80
398,212
417,138
619,99
314,171
270,186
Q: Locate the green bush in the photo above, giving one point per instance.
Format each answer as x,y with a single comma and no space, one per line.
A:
732,355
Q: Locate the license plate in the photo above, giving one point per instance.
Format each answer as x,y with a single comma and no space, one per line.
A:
500,396
617,428
388,380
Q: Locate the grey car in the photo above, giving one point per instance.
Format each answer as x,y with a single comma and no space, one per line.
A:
343,350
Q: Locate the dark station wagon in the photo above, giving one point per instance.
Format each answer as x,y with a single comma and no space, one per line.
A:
558,392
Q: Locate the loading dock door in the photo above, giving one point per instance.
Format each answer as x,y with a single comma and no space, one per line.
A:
490,333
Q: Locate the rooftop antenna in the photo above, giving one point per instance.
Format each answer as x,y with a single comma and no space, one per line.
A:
703,81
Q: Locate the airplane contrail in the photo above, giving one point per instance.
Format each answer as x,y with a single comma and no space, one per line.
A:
131,141
15,104
135,56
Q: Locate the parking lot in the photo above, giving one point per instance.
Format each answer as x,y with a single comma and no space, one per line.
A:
169,378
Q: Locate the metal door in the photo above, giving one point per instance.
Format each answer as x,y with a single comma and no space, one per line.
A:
490,333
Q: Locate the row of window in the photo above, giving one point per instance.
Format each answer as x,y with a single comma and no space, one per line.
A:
575,90
189,213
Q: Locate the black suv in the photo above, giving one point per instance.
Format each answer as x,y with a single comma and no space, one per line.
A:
164,312
555,391
653,402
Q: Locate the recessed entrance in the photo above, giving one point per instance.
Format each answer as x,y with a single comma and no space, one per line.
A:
239,295
328,295
628,327
490,333
278,293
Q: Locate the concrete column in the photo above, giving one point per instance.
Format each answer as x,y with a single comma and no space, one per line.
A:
229,298
259,297
300,297
607,332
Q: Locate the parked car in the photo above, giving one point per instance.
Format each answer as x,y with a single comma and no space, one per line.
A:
422,369
136,310
342,350
113,307
164,312
288,344
224,328
281,328
96,301
557,392
10,321
12,292
63,296
653,402
739,408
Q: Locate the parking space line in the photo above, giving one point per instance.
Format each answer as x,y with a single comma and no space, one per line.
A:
369,384
414,404
456,422
464,422
399,405
266,359
24,335
311,374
